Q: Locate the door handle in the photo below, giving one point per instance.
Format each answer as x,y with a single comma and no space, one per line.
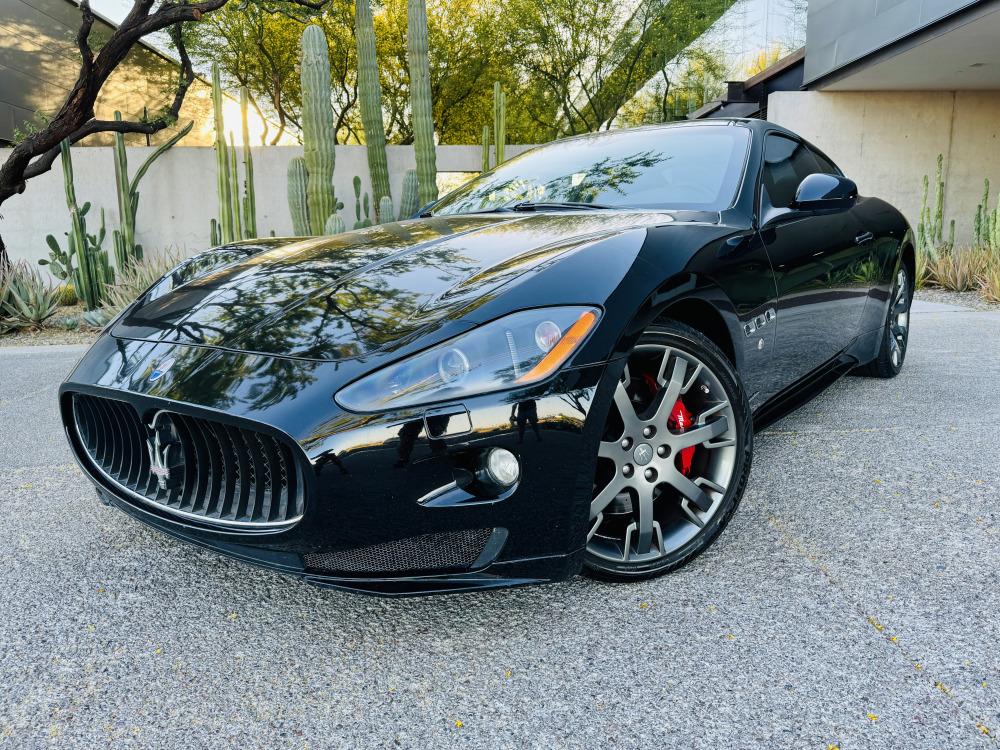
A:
863,237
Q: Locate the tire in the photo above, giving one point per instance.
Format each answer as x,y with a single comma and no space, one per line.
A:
895,332
658,502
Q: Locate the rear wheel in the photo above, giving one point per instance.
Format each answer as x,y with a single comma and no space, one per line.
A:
896,334
674,456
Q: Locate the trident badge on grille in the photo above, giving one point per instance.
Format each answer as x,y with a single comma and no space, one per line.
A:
160,444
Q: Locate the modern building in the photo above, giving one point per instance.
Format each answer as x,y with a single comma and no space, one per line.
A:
39,63
884,86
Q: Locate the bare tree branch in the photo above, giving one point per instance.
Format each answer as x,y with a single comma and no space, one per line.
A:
75,119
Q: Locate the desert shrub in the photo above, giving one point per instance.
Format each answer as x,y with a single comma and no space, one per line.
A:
135,279
989,278
958,270
27,300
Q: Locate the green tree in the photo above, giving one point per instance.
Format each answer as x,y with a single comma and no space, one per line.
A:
581,61
257,46
685,85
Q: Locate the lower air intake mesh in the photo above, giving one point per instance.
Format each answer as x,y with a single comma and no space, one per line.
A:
448,550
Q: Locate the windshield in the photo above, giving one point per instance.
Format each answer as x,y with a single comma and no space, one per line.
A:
688,167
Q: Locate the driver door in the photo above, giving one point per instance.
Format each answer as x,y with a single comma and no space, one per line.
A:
815,257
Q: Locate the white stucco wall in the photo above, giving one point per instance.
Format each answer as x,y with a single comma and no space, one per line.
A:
888,140
178,194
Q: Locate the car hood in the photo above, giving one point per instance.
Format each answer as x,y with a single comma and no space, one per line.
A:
347,295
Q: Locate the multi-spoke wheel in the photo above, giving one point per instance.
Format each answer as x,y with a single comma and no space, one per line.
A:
892,350
673,459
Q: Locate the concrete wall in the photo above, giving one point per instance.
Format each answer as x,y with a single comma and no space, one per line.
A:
178,194
888,140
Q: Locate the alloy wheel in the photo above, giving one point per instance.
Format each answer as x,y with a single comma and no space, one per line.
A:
899,319
666,460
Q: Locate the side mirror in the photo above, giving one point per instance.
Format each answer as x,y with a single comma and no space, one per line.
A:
825,192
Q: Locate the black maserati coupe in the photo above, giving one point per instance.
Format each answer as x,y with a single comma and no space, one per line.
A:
557,367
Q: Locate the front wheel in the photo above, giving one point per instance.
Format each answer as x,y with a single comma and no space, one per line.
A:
674,456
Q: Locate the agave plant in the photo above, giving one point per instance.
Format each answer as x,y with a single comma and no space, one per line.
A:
958,271
27,300
989,280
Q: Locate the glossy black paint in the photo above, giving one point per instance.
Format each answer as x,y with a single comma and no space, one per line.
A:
825,192
269,338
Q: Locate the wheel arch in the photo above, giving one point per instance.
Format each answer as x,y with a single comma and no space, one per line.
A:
908,257
706,318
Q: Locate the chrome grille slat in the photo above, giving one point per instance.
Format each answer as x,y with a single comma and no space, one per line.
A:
229,475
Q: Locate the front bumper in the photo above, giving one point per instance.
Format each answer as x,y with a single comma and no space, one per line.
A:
381,489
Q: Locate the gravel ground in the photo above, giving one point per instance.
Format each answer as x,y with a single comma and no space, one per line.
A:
852,603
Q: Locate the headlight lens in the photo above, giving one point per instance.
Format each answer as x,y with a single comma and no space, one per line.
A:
519,349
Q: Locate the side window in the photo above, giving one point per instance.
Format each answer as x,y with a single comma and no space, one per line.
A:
786,163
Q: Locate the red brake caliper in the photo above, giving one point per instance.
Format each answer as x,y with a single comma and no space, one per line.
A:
678,421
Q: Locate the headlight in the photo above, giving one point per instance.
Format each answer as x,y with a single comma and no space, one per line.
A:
519,349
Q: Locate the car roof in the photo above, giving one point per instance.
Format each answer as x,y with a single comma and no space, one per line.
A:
746,122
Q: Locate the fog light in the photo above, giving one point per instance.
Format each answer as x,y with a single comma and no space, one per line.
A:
502,467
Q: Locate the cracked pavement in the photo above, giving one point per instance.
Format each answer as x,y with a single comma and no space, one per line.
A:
853,602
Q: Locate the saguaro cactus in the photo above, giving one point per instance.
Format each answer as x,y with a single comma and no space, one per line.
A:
499,121
297,203
421,104
370,95
409,202
318,131
486,149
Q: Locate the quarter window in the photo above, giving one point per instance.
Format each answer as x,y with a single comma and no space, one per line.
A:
786,163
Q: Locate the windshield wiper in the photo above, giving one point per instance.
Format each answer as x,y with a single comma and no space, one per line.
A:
549,205
529,206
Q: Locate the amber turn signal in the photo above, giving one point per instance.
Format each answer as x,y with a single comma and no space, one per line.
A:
561,351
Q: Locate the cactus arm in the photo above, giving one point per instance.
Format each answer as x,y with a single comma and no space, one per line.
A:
164,147
421,104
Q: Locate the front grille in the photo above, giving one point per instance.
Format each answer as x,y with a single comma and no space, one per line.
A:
199,468
447,550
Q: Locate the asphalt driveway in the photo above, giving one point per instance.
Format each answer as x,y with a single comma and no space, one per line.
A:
853,602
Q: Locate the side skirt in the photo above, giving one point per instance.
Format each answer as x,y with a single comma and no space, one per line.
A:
811,385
